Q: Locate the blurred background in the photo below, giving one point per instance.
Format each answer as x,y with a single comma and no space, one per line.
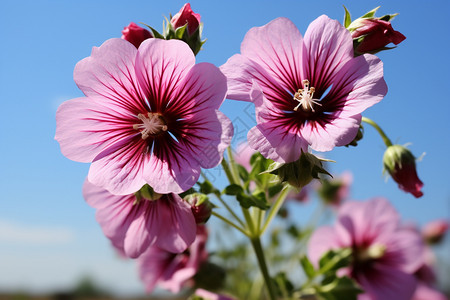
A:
50,243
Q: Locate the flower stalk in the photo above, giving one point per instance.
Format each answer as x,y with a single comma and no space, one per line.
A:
380,131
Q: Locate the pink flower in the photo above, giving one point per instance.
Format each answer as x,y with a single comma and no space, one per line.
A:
377,34
150,115
385,255
433,232
207,295
173,271
135,34
243,155
336,190
135,223
425,292
401,165
308,91
186,16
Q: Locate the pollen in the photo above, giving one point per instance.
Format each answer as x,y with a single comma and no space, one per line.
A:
304,97
152,124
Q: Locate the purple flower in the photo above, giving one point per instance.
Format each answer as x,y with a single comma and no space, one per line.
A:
150,115
173,271
133,223
135,34
307,90
385,254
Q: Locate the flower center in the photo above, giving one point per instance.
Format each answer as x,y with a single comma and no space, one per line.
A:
152,125
305,97
373,252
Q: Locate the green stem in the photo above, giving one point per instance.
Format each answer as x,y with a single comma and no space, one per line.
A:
256,243
380,131
245,232
275,208
233,167
250,223
230,211
227,170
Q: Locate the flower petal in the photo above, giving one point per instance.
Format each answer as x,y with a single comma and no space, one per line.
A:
87,126
339,131
172,223
323,239
121,171
109,73
327,47
388,283
171,169
160,66
277,47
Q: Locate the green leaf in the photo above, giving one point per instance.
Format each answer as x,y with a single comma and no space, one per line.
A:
233,189
259,198
333,260
247,201
155,33
307,267
283,286
347,18
336,288
243,173
274,189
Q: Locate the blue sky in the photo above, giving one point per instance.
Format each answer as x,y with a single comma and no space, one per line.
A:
48,234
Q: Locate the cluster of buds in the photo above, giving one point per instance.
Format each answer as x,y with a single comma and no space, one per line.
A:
371,34
185,26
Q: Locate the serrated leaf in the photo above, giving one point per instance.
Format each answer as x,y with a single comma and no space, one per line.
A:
347,18
307,267
233,190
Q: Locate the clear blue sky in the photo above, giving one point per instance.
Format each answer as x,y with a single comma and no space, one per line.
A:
48,235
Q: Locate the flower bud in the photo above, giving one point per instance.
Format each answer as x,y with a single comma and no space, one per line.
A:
434,232
371,34
185,26
200,206
300,172
335,191
401,165
135,34
186,16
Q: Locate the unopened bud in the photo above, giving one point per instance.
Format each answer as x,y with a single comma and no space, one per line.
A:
200,206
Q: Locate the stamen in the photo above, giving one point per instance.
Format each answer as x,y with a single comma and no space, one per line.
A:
305,97
152,125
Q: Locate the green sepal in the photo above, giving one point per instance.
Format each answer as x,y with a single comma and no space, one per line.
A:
347,17
370,14
155,32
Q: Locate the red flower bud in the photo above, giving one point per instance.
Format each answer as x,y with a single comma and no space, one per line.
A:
186,15
401,165
200,206
376,35
135,34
